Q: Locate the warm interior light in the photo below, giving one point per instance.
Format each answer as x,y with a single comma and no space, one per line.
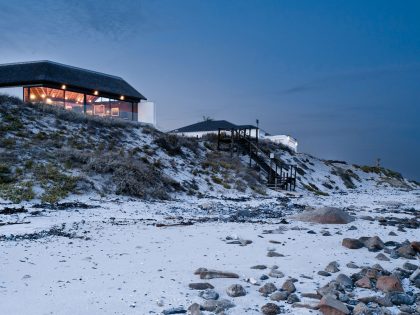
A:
48,100
63,87
43,95
122,97
96,93
32,97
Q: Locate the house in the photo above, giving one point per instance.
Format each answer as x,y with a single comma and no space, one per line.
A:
285,140
76,89
206,127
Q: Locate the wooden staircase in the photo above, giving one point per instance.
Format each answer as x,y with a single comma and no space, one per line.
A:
280,176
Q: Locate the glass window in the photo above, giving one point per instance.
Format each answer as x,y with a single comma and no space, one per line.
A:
122,109
74,101
44,95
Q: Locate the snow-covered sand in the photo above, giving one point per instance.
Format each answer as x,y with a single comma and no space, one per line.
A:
125,264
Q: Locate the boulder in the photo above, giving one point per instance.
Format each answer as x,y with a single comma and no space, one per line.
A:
267,289
345,281
389,284
174,310
220,305
200,286
288,286
352,243
270,309
274,273
279,296
326,215
406,251
235,290
382,257
209,294
361,309
373,243
332,267
211,274
194,309
415,246
330,306
364,283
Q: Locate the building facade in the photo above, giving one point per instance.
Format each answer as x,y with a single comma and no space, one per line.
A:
73,89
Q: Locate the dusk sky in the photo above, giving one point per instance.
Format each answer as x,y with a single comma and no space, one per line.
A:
343,77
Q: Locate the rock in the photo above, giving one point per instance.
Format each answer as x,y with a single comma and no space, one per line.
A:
259,267
382,257
326,215
219,305
324,273
409,266
279,296
267,289
384,301
415,246
415,275
361,309
293,298
373,244
406,251
378,267
194,309
352,265
209,294
325,233
351,228
331,288
235,290
389,284
264,277
211,274
252,281
402,299
200,286
273,253
274,273
352,243
392,233
199,271
175,310
332,267
345,281
270,309
316,296
330,306
288,286
364,283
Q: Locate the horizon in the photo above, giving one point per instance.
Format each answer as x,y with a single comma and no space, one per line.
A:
340,78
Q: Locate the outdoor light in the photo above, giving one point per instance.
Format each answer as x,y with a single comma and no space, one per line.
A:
63,87
122,97
96,93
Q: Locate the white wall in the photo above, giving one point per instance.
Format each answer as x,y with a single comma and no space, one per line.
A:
285,140
147,112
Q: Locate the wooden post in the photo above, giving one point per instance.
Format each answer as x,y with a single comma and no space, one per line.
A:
231,142
218,139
